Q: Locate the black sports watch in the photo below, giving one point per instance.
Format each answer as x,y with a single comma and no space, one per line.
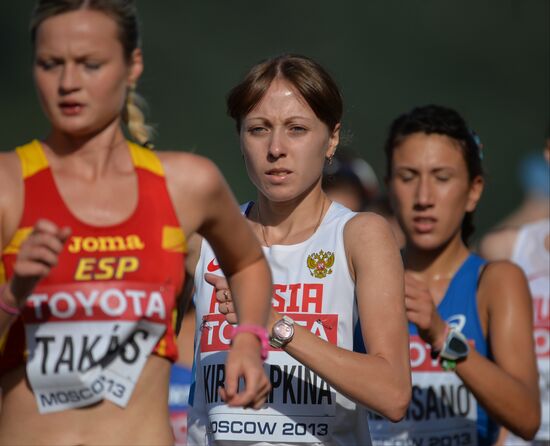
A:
455,348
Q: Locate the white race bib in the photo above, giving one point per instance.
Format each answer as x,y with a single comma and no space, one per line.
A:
88,342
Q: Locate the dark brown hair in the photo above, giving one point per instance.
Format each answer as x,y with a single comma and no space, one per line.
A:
440,120
309,79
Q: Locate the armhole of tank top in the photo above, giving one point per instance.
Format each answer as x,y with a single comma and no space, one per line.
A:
248,208
183,305
198,266
13,236
145,159
343,241
480,272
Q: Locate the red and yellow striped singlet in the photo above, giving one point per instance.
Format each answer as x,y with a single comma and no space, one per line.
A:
88,328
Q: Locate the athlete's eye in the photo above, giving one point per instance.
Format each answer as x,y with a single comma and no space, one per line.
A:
47,64
92,65
256,130
405,176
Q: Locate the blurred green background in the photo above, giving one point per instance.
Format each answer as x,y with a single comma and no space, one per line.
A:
488,59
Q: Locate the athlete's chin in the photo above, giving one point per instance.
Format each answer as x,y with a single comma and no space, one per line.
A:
76,126
426,241
82,124
279,193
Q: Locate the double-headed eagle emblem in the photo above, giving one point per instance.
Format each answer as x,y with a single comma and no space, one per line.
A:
320,263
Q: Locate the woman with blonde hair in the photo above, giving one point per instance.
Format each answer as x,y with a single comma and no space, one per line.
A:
93,232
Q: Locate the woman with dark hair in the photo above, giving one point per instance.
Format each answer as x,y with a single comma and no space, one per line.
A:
470,322
331,267
93,233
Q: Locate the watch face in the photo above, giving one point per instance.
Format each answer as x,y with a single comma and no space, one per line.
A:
458,347
283,331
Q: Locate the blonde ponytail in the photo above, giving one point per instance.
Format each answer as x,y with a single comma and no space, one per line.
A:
134,119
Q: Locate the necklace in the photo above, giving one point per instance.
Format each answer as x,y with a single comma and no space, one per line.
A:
262,227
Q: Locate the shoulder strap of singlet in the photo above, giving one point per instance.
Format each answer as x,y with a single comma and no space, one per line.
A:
246,208
32,158
469,272
146,159
464,283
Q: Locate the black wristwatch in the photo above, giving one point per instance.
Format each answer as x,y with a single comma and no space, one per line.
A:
455,348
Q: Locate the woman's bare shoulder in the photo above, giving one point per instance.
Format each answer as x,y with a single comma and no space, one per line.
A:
504,282
10,165
10,174
368,226
184,169
501,271
368,239
11,194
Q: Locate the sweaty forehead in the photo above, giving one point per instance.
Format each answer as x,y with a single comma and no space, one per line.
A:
282,98
82,31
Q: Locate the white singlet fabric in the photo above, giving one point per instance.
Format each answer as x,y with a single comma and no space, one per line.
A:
313,286
533,257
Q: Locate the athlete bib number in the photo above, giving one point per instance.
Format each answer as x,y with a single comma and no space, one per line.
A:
442,412
89,342
301,406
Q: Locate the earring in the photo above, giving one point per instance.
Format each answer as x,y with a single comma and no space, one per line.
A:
329,159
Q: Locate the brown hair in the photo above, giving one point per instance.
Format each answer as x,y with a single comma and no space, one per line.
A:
124,13
309,78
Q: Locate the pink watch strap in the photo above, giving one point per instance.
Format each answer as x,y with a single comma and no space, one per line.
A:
257,330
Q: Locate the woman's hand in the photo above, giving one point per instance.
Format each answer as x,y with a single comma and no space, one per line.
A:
223,296
243,360
422,312
38,254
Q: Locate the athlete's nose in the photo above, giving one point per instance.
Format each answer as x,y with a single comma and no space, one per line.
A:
69,80
424,193
277,147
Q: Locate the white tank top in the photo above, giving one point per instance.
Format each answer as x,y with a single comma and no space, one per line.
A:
532,256
312,284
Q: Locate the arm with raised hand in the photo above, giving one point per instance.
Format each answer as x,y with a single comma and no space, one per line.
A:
37,254
209,209
504,296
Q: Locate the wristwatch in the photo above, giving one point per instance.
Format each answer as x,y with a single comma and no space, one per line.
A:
455,349
282,332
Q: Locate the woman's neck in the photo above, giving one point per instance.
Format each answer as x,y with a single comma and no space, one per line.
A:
289,222
92,155
437,264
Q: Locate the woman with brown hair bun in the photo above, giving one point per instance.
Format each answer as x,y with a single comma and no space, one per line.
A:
331,267
93,233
